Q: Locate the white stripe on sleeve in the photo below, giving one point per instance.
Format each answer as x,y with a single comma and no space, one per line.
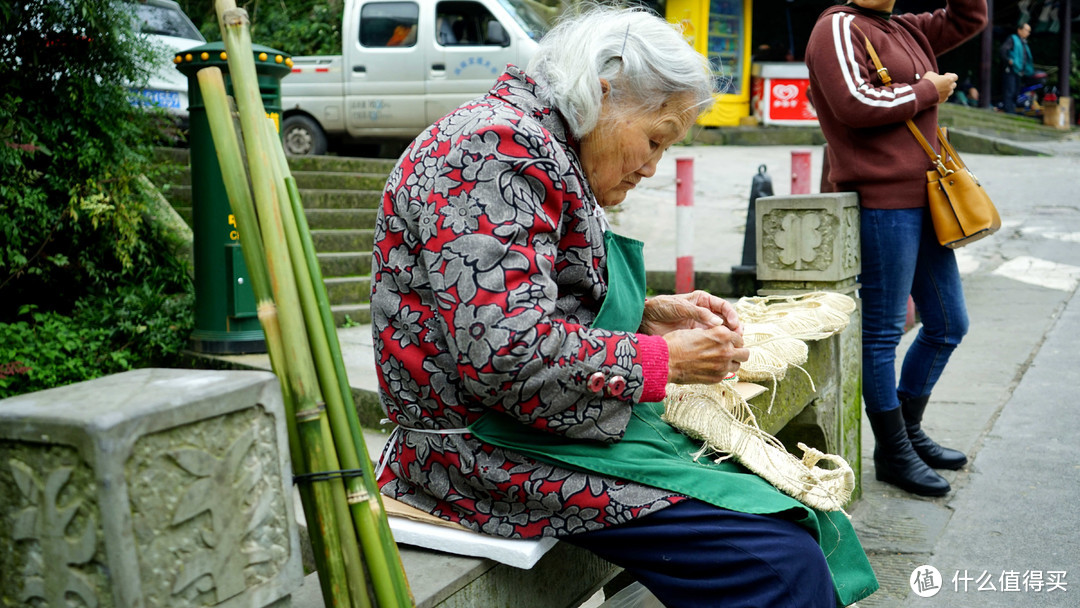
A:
859,88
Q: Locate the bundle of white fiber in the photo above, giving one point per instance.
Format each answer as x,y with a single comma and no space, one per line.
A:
811,316
718,415
772,351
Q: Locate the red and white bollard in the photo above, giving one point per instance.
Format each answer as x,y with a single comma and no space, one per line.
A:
684,225
800,172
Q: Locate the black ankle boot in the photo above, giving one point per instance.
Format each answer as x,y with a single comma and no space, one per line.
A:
896,461
936,456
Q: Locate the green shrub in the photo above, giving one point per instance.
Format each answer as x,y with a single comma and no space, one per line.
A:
133,326
86,288
71,147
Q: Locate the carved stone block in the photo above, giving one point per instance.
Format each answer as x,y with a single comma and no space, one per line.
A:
148,488
810,237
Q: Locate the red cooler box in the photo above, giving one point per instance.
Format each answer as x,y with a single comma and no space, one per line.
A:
778,94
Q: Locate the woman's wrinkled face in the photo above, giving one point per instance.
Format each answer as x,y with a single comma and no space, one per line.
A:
625,146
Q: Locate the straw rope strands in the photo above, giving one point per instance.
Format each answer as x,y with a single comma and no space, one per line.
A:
775,331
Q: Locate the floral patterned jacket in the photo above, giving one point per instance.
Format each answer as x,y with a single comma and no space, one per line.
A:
489,267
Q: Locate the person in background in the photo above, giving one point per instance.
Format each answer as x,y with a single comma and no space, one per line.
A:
1018,65
524,366
872,152
966,94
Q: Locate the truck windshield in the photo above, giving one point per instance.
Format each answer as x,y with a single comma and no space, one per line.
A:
533,24
165,21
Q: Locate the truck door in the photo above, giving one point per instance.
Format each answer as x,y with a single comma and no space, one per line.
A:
385,66
471,48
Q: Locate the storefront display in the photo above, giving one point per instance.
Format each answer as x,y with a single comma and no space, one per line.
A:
779,94
720,30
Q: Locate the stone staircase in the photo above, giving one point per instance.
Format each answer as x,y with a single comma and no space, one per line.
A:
340,197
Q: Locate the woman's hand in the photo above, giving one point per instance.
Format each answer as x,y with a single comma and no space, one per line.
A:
697,310
945,84
704,356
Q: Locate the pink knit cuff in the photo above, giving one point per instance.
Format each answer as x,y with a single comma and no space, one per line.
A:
654,362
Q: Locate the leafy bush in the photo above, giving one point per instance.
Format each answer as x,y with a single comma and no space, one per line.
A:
133,326
80,272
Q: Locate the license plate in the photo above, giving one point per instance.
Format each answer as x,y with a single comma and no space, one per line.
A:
163,99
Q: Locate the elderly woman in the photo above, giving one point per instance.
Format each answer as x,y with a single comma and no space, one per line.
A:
521,361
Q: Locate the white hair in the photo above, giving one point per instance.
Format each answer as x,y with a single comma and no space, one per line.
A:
645,60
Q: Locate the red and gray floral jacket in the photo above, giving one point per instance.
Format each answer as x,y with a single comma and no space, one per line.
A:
489,267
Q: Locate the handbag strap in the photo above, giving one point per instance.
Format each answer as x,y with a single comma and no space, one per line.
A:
886,80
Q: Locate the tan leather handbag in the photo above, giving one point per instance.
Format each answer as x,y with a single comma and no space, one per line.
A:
961,210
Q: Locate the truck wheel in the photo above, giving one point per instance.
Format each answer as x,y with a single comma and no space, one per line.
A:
301,136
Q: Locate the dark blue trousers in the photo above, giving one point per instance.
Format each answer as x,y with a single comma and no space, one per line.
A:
695,555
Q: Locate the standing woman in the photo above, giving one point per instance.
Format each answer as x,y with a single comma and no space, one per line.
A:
872,152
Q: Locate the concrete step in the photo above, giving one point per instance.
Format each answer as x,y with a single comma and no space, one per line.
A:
341,164
180,196
333,180
344,164
350,315
339,181
341,241
317,219
340,219
345,264
341,199
348,290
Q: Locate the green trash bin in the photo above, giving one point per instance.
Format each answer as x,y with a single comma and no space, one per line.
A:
226,321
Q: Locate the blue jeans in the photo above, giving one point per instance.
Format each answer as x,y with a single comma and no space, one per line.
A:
901,256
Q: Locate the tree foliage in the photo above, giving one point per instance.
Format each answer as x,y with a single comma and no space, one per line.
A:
72,148
297,27
301,27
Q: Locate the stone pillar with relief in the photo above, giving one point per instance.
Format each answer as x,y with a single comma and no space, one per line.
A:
153,487
809,243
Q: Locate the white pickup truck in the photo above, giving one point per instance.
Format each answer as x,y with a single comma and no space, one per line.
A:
406,63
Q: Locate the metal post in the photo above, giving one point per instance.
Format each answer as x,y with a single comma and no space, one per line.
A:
684,225
1065,15
987,54
800,172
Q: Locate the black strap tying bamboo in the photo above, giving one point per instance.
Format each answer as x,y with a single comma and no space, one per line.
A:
327,475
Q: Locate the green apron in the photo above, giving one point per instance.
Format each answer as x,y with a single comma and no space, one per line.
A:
653,453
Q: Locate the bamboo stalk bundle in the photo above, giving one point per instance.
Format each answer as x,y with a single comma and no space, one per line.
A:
338,489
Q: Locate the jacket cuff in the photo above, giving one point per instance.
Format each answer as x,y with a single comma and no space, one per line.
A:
654,364
926,94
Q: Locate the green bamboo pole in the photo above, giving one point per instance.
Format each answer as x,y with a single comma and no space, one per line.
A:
310,415
320,350
234,176
226,144
227,147
382,557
